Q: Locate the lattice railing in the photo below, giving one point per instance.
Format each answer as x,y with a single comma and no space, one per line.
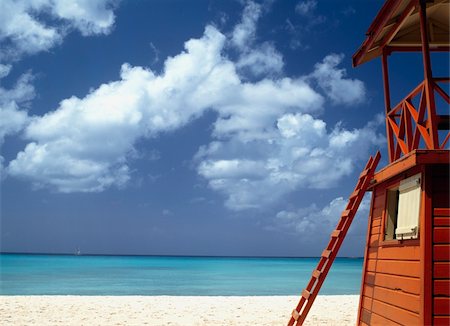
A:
414,124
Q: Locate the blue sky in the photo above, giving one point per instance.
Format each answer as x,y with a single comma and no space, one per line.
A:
185,127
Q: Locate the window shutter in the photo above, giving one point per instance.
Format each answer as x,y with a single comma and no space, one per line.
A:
408,208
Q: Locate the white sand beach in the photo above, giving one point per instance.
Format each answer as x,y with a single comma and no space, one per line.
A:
171,310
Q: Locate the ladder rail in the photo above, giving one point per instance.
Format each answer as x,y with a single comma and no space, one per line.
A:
336,239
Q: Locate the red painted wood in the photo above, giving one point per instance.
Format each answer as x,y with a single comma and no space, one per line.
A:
368,290
398,283
444,212
379,201
371,265
426,233
370,278
441,287
441,306
329,254
366,316
441,252
367,303
400,252
391,312
441,270
376,223
374,240
410,302
381,321
441,235
441,320
400,268
441,221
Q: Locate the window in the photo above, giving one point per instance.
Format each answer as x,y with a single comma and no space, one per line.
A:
403,208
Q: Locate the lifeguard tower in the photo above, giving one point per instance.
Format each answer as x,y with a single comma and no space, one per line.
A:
406,271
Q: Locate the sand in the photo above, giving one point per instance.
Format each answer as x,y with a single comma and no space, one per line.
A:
171,310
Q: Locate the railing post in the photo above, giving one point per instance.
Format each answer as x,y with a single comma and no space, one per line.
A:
387,104
428,77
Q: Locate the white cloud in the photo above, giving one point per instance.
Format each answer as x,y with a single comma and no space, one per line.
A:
244,33
4,70
268,140
300,154
13,101
256,60
87,141
305,7
88,16
332,80
23,31
265,60
320,221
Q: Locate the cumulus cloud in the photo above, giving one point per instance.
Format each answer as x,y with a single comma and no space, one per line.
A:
267,138
305,7
244,33
316,220
255,60
13,103
299,154
333,81
261,61
87,141
23,31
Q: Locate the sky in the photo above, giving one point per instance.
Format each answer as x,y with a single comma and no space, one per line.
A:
230,128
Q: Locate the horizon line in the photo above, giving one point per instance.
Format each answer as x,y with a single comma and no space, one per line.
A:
161,255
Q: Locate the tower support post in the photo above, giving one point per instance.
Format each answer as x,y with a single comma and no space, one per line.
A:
428,77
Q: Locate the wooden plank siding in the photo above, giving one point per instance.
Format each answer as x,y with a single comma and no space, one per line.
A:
407,282
391,290
395,314
441,245
441,320
441,270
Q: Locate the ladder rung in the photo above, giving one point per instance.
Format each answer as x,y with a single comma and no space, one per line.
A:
306,294
316,273
354,194
337,236
335,233
346,213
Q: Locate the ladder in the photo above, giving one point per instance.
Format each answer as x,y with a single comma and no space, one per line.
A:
337,237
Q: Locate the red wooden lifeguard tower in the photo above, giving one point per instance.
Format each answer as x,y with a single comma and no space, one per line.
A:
407,257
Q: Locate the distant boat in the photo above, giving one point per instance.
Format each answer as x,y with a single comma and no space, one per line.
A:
78,252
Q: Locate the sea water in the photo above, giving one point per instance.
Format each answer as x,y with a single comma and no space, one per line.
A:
155,275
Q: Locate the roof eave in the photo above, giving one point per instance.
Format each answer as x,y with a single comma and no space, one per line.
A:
374,30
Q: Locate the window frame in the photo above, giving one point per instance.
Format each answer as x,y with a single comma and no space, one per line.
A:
391,187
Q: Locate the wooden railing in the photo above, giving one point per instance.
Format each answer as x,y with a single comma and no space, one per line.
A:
409,127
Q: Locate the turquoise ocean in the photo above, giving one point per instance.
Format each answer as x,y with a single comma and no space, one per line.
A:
22,274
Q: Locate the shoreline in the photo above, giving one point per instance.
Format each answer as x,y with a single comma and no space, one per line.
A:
172,310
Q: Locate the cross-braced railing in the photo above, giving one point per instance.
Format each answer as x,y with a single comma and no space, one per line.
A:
411,126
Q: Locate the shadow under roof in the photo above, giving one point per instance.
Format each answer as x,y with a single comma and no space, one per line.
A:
397,25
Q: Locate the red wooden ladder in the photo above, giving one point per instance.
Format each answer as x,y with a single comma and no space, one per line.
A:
337,237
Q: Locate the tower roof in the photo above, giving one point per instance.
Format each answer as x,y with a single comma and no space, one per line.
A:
397,26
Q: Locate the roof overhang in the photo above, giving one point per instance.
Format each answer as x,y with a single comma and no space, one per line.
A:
397,26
